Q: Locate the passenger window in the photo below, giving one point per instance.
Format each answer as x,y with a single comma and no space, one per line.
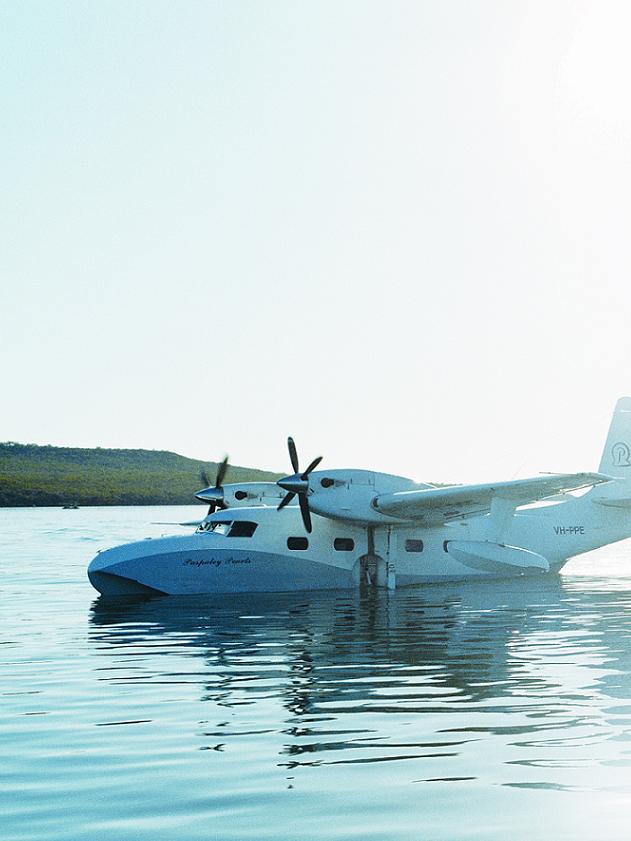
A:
241,528
445,545
413,545
343,544
297,543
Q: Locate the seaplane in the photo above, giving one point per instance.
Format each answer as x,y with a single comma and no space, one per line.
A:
348,528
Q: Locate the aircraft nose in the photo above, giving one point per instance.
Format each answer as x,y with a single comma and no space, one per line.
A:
107,575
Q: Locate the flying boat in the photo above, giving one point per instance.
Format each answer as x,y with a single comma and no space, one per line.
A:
346,528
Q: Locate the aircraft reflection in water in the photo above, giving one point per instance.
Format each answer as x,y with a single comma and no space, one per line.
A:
535,667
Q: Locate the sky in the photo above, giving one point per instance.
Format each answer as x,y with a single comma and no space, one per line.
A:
398,231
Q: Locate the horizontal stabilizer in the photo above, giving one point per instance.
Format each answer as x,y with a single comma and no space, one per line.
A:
496,558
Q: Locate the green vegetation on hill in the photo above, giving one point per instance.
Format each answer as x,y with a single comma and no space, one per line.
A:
34,475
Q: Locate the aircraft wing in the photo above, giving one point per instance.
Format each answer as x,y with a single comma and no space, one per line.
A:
442,505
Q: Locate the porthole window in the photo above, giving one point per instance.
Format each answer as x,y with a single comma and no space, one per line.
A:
413,545
343,544
299,543
327,483
241,528
445,545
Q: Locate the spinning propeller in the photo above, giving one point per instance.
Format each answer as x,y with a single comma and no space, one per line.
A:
213,494
298,485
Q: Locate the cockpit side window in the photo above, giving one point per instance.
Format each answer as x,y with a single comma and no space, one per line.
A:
242,528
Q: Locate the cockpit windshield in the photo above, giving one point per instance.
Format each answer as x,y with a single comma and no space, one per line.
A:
218,527
229,528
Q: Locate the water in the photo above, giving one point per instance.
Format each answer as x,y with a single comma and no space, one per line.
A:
450,712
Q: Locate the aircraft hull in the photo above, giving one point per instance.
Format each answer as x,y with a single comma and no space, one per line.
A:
185,566
190,566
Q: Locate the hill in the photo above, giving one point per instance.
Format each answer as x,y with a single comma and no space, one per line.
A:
35,475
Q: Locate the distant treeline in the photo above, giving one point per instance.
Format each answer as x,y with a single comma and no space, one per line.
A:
34,475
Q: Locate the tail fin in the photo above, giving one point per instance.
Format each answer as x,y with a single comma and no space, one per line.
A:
616,458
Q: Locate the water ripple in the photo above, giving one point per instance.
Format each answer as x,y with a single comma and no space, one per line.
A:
311,716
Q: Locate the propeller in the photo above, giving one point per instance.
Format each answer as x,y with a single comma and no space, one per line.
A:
298,485
213,493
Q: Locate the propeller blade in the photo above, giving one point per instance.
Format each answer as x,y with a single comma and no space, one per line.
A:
221,472
286,500
298,484
204,477
304,510
293,455
312,466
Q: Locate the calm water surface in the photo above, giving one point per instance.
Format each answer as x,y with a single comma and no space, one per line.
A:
447,712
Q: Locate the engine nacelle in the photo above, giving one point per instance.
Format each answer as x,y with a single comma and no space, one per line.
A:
349,494
242,494
247,494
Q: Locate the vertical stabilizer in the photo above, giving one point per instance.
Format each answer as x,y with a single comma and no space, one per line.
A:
616,457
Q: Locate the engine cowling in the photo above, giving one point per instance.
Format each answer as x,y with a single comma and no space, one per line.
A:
349,494
244,494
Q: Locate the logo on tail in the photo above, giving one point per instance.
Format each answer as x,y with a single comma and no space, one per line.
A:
621,455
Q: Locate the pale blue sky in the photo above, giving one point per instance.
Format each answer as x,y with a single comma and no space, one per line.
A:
397,231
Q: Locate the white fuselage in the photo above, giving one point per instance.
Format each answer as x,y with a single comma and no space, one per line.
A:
279,556
379,529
